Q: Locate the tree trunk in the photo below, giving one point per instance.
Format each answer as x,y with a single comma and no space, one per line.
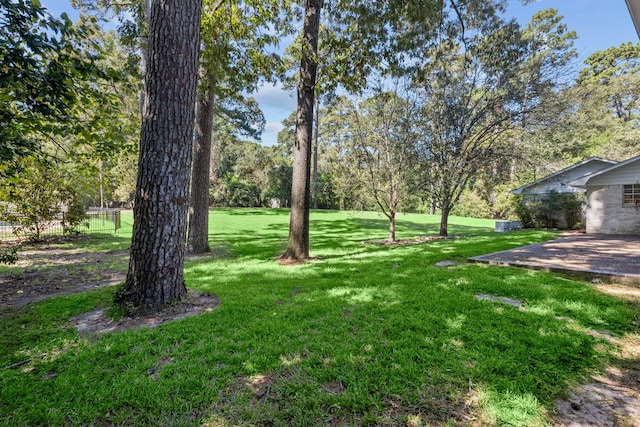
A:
198,241
155,277
144,52
298,246
444,219
393,201
392,226
316,135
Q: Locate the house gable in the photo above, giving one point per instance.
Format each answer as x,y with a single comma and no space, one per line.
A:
627,172
559,181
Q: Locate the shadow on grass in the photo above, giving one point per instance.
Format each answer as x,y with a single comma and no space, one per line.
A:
366,335
389,325
253,211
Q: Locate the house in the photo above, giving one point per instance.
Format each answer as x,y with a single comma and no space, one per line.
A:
538,196
559,181
613,198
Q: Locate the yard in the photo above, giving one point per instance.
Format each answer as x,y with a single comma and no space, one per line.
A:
366,334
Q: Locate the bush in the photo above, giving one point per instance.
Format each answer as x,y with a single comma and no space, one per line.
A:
471,205
9,255
232,192
556,210
34,201
75,217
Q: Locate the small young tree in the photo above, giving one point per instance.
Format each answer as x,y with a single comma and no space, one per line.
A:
375,148
35,200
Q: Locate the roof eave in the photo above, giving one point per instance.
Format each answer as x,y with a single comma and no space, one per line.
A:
634,11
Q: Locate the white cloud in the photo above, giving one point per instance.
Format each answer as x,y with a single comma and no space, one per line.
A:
270,134
269,96
273,127
276,104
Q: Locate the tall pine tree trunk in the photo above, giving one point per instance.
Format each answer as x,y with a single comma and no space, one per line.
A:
155,277
198,241
298,246
144,52
316,137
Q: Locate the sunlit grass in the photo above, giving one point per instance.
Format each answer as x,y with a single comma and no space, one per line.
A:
364,334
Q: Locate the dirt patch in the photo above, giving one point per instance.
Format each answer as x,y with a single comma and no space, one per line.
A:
98,322
611,398
54,268
45,270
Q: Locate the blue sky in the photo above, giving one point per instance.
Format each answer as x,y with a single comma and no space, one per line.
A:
599,24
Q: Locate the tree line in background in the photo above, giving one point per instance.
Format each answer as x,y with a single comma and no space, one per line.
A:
436,107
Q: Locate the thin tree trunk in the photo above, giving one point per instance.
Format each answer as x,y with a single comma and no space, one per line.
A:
214,161
392,226
101,186
393,202
444,219
155,277
432,199
298,246
198,240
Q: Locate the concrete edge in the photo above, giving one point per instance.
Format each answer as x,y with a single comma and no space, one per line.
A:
555,268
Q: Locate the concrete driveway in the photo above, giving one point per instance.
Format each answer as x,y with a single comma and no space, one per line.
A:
588,253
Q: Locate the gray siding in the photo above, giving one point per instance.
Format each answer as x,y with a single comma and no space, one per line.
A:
559,182
628,174
606,213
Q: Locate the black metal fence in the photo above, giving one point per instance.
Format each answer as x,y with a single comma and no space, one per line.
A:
97,221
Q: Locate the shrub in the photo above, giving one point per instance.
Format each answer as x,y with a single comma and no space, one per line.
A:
555,210
9,255
471,205
34,201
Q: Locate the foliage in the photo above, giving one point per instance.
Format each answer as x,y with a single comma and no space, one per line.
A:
608,115
324,192
477,87
279,187
75,217
36,199
375,147
471,205
230,191
8,255
367,333
48,78
555,210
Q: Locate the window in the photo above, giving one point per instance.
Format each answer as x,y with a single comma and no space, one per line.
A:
631,194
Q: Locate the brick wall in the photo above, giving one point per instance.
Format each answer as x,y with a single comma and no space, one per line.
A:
606,213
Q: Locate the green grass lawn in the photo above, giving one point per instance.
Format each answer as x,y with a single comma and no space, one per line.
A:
365,334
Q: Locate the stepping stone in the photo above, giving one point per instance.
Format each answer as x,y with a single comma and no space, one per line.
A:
510,301
445,264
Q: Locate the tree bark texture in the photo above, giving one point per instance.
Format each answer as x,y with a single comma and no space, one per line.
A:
198,241
298,246
392,226
444,219
316,137
155,277
144,54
